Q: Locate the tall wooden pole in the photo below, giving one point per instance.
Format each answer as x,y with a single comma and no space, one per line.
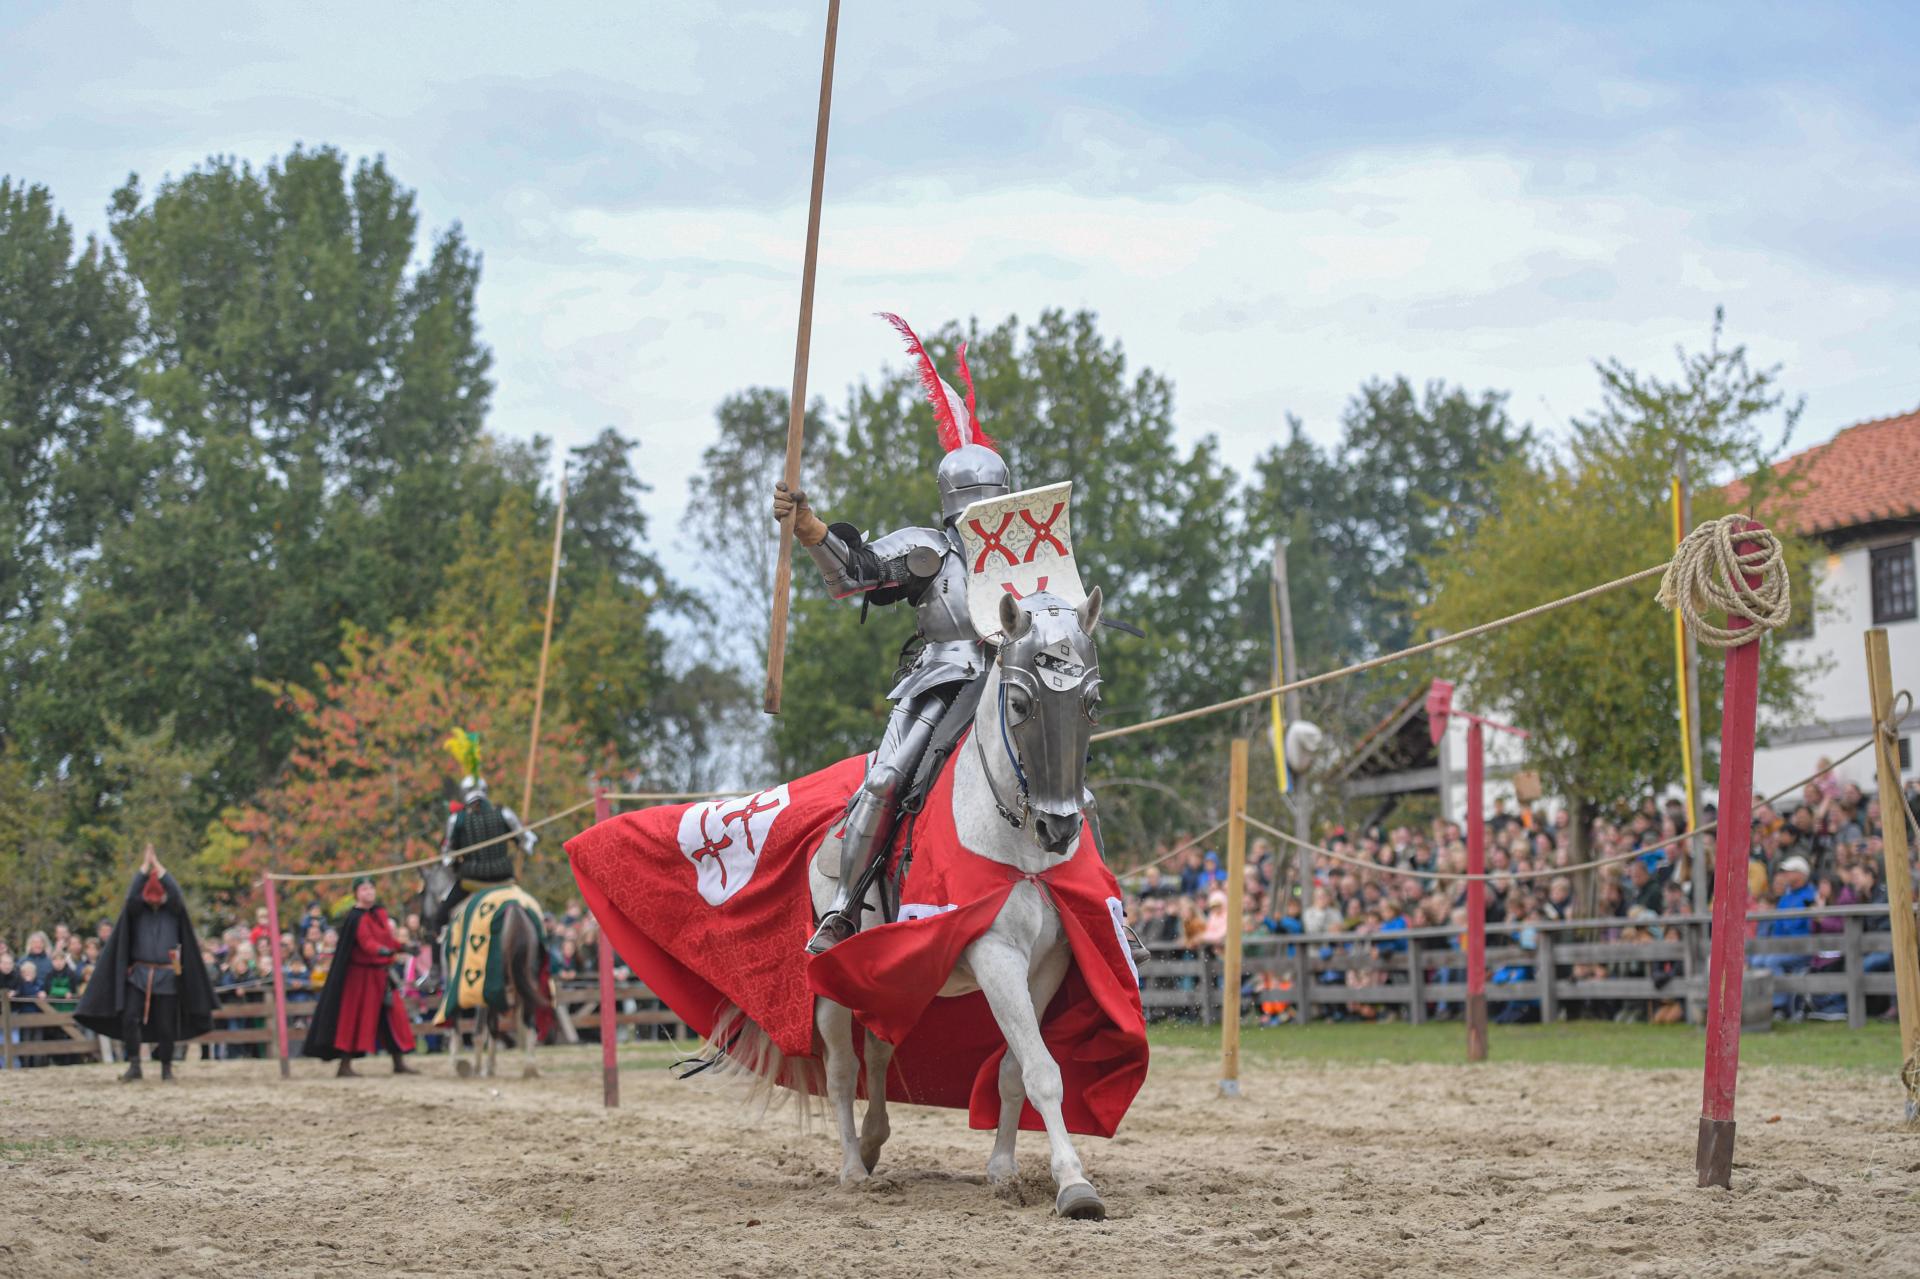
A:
1476,891
609,1007
1236,907
1893,821
1727,960
279,976
797,402
1302,801
546,644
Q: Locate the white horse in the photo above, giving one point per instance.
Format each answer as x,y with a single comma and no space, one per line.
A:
1030,770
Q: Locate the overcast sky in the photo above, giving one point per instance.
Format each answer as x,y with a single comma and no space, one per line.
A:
1269,203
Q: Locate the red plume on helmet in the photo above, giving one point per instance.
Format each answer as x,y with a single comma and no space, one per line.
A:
952,416
153,892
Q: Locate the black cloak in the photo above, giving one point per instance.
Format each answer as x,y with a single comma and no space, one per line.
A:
103,1004
323,1029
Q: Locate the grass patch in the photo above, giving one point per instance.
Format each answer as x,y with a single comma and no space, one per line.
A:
1579,1043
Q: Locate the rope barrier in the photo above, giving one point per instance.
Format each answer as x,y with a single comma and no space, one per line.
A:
1563,870
1195,842
424,861
1372,663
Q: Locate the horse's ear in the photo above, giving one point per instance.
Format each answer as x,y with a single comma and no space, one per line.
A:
1014,620
1090,611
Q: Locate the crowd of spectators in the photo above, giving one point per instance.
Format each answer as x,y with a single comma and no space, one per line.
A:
51,968
1826,849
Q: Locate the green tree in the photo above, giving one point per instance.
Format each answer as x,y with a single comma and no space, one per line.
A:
1595,683
44,872
317,403
69,459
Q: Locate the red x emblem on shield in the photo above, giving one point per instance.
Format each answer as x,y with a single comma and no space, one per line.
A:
992,542
1042,531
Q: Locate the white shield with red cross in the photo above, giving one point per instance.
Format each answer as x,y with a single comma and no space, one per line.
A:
723,839
1018,545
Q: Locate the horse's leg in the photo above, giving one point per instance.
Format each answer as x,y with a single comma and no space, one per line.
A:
1001,1165
835,1024
874,1129
1003,971
493,1043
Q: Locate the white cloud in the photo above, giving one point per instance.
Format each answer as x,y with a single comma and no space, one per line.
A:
1256,299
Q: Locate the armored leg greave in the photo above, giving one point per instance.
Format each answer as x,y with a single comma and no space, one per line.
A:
870,822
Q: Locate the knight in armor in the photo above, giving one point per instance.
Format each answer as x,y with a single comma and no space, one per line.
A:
476,822
925,568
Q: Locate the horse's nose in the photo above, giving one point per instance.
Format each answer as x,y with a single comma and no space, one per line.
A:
1056,832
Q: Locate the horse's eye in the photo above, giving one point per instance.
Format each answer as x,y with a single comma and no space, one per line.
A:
1019,706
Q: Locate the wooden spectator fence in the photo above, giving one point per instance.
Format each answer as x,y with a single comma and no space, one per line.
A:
1420,972
579,1006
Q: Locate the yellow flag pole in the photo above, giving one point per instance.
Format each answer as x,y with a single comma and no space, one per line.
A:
1680,683
1279,677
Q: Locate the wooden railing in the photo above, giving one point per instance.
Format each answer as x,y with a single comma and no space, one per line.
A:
1185,982
56,1034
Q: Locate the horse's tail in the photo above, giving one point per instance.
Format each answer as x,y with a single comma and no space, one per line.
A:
522,939
741,1050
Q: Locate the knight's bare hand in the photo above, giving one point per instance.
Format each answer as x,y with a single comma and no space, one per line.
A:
807,526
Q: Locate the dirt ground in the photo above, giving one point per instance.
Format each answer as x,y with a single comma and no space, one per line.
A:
1369,1171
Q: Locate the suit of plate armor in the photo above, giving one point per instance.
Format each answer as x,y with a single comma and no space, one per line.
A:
926,568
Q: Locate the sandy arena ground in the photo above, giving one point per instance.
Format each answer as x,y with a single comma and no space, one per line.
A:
1505,1170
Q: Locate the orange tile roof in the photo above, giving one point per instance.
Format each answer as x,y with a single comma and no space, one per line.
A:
1866,473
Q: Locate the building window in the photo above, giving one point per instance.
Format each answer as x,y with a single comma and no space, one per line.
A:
1893,594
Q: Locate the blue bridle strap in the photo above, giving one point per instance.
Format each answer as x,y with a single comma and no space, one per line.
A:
1006,740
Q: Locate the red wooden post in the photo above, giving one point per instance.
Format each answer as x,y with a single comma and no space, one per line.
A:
279,975
1713,1157
1476,892
609,1009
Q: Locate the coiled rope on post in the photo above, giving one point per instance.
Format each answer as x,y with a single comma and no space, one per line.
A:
1709,571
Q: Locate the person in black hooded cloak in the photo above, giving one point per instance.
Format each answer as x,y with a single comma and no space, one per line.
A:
149,984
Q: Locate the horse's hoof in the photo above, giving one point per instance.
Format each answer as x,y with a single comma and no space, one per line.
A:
531,1072
870,1150
852,1175
1079,1202
999,1174
464,1069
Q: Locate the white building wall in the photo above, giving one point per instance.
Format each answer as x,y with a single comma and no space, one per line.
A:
1836,714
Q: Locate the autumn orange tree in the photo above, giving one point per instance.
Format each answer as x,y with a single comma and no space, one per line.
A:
367,782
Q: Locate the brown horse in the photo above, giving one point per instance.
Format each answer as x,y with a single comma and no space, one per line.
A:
519,940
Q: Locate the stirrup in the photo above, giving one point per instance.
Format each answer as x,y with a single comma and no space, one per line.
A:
1139,948
834,928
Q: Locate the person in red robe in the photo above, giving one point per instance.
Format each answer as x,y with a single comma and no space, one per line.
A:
358,1012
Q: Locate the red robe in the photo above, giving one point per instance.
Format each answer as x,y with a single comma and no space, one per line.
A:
365,997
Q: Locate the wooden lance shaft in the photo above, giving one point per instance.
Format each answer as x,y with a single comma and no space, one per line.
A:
1476,892
279,976
1236,903
1893,820
609,1010
540,684
1727,961
797,401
